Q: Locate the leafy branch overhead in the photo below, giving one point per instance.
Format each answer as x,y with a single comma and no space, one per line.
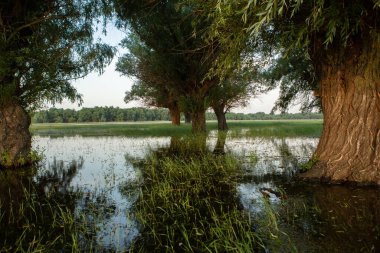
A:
46,44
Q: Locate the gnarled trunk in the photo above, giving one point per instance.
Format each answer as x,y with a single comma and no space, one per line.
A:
15,138
175,115
221,117
198,121
349,148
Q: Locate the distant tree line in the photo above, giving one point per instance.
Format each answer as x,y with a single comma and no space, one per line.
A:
116,114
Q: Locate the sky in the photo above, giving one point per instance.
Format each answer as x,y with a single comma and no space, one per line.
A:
109,88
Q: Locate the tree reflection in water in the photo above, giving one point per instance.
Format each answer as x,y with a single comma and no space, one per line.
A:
37,210
313,217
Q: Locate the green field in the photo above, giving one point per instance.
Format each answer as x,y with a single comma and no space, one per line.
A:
285,128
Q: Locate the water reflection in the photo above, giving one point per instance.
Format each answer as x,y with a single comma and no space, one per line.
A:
220,143
313,217
106,173
33,208
96,181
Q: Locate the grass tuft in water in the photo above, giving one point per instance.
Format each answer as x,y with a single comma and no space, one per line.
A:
189,203
38,213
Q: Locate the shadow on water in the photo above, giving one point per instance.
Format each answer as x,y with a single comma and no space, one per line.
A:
42,210
332,218
189,203
218,192
309,217
37,210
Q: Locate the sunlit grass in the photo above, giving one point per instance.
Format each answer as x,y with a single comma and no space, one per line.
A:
267,128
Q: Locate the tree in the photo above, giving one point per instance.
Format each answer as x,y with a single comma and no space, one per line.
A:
154,95
342,41
167,52
234,91
295,76
43,45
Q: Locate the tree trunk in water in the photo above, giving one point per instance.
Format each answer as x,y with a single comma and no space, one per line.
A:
221,117
175,115
187,117
220,143
15,138
349,148
198,121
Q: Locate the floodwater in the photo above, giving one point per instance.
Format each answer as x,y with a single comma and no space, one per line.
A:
312,217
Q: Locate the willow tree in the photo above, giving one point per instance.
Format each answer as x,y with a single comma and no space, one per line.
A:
234,91
156,77
170,44
342,41
155,96
43,45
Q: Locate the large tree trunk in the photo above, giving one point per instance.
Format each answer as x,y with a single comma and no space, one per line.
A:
198,121
175,115
349,148
15,138
221,117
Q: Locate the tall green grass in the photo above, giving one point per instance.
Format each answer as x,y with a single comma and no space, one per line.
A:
38,213
188,203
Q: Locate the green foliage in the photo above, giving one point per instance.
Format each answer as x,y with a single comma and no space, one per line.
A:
295,76
46,44
188,203
304,21
289,34
40,214
171,58
163,55
115,114
32,158
308,165
99,114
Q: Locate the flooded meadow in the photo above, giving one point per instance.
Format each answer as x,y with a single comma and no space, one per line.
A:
221,192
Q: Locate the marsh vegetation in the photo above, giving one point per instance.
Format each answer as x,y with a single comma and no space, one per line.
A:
234,191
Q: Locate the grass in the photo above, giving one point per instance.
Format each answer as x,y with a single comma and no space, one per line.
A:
41,215
188,203
38,222
108,129
272,128
276,128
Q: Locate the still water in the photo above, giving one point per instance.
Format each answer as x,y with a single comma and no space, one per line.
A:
101,172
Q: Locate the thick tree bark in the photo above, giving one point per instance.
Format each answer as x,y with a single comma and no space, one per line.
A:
221,117
198,121
187,117
349,148
15,138
175,115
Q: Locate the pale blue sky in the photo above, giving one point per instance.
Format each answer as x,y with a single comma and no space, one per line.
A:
109,89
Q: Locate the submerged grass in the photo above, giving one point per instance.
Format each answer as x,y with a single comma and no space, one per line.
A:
32,221
38,213
270,128
189,203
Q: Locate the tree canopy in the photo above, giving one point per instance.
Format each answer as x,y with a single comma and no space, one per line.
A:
43,46
340,41
169,53
46,44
